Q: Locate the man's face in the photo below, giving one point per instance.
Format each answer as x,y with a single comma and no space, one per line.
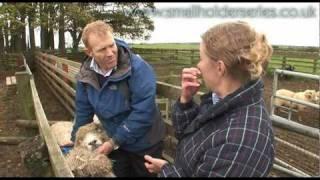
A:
104,50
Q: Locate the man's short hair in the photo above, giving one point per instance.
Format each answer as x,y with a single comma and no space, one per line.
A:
97,27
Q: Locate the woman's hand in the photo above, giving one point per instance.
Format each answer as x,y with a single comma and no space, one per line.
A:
189,83
154,165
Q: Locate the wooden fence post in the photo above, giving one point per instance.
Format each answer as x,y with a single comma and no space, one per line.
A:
284,62
24,95
192,57
65,69
314,66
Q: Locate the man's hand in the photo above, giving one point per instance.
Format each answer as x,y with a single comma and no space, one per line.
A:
189,83
154,165
69,143
105,148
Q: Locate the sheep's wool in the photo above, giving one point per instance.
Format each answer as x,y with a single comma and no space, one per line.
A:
62,131
85,163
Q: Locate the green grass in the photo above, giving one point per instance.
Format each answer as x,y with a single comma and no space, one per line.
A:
299,63
167,46
196,46
183,57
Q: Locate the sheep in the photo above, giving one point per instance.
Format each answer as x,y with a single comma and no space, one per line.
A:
307,95
282,102
90,136
82,159
316,97
86,163
62,131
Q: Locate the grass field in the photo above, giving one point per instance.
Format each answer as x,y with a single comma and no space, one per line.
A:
196,46
301,65
168,46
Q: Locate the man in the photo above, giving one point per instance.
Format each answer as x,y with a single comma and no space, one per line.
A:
131,119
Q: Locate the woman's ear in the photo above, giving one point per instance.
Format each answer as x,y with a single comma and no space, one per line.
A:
221,68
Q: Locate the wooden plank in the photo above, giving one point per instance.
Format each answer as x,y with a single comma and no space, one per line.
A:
24,95
294,54
58,163
53,85
8,81
59,80
12,140
173,92
62,60
33,123
57,70
13,80
60,99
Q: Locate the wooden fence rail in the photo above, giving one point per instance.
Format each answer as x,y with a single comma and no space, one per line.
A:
302,60
58,163
10,61
308,62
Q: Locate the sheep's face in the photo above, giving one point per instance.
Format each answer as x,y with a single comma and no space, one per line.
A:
91,141
91,136
309,94
312,96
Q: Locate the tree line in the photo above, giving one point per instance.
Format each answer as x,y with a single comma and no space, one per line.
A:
129,20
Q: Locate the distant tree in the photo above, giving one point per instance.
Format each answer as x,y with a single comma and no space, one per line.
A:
1,29
61,27
31,13
13,22
129,20
77,16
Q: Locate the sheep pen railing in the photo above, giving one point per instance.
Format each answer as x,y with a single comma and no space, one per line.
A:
33,108
59,74
302,60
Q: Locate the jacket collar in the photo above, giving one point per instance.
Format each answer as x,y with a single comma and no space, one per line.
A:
248,94
122,70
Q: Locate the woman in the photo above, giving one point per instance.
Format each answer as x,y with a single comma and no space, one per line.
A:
229,133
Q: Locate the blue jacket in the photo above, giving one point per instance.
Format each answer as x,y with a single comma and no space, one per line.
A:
135,123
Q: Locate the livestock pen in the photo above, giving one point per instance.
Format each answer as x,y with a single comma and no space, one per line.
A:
59,75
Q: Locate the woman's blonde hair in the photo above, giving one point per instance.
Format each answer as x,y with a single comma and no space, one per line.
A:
97,27
244,51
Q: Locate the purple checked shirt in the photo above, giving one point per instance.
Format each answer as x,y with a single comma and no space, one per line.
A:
232,138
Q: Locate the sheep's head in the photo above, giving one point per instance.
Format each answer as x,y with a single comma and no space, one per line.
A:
90,136
316,97
309,94
312,96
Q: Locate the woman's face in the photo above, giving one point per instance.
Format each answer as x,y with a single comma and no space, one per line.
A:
209,69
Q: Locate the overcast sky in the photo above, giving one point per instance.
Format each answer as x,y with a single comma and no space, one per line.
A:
300,29
295,24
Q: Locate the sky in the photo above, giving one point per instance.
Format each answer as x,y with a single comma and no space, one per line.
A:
292,24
